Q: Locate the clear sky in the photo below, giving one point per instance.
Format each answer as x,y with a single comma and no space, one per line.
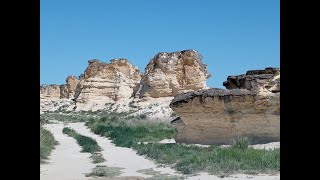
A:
233,36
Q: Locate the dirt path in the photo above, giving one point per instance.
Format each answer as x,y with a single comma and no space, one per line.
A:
67,163
120,157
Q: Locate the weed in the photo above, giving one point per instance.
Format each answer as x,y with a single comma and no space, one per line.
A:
104,171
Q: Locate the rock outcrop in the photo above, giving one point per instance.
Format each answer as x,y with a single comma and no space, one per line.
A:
259,81
108,81
216,116
71,84
50,91
64,91
79,86
54,91
169,74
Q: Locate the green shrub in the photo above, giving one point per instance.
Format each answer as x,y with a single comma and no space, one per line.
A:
47,143
104,171
241,142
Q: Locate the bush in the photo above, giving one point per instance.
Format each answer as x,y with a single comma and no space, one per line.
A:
47,143
104,171
241,142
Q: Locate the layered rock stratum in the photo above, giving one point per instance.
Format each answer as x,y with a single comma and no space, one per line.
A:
250,107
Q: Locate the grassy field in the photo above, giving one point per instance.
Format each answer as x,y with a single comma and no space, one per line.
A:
238,158
47,141
128,132
66,117
87,144
213,159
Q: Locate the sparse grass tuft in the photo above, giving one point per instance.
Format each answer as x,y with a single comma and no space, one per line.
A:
104,171
43,120
97,158
241,142
156,175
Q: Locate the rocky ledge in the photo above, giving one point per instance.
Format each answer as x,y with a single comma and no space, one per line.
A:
217,116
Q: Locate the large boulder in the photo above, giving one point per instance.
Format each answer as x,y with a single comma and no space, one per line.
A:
217,116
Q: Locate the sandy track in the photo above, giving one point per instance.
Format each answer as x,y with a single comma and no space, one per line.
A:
66,162
118,156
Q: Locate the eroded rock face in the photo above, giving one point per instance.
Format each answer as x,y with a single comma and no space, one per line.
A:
79,86
114,81
168,74
71,84
50,91
259,81
63,91
216,116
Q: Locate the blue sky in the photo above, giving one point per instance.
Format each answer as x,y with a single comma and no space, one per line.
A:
233,36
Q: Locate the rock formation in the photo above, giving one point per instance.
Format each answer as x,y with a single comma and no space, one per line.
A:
79,86
216,116
63,91
259,81
54,91
169,74
50,91
113,81
71,82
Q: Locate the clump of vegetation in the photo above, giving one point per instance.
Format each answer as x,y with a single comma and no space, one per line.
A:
241,142
47,143
104,171
97,158
126,133
87,144
43,120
